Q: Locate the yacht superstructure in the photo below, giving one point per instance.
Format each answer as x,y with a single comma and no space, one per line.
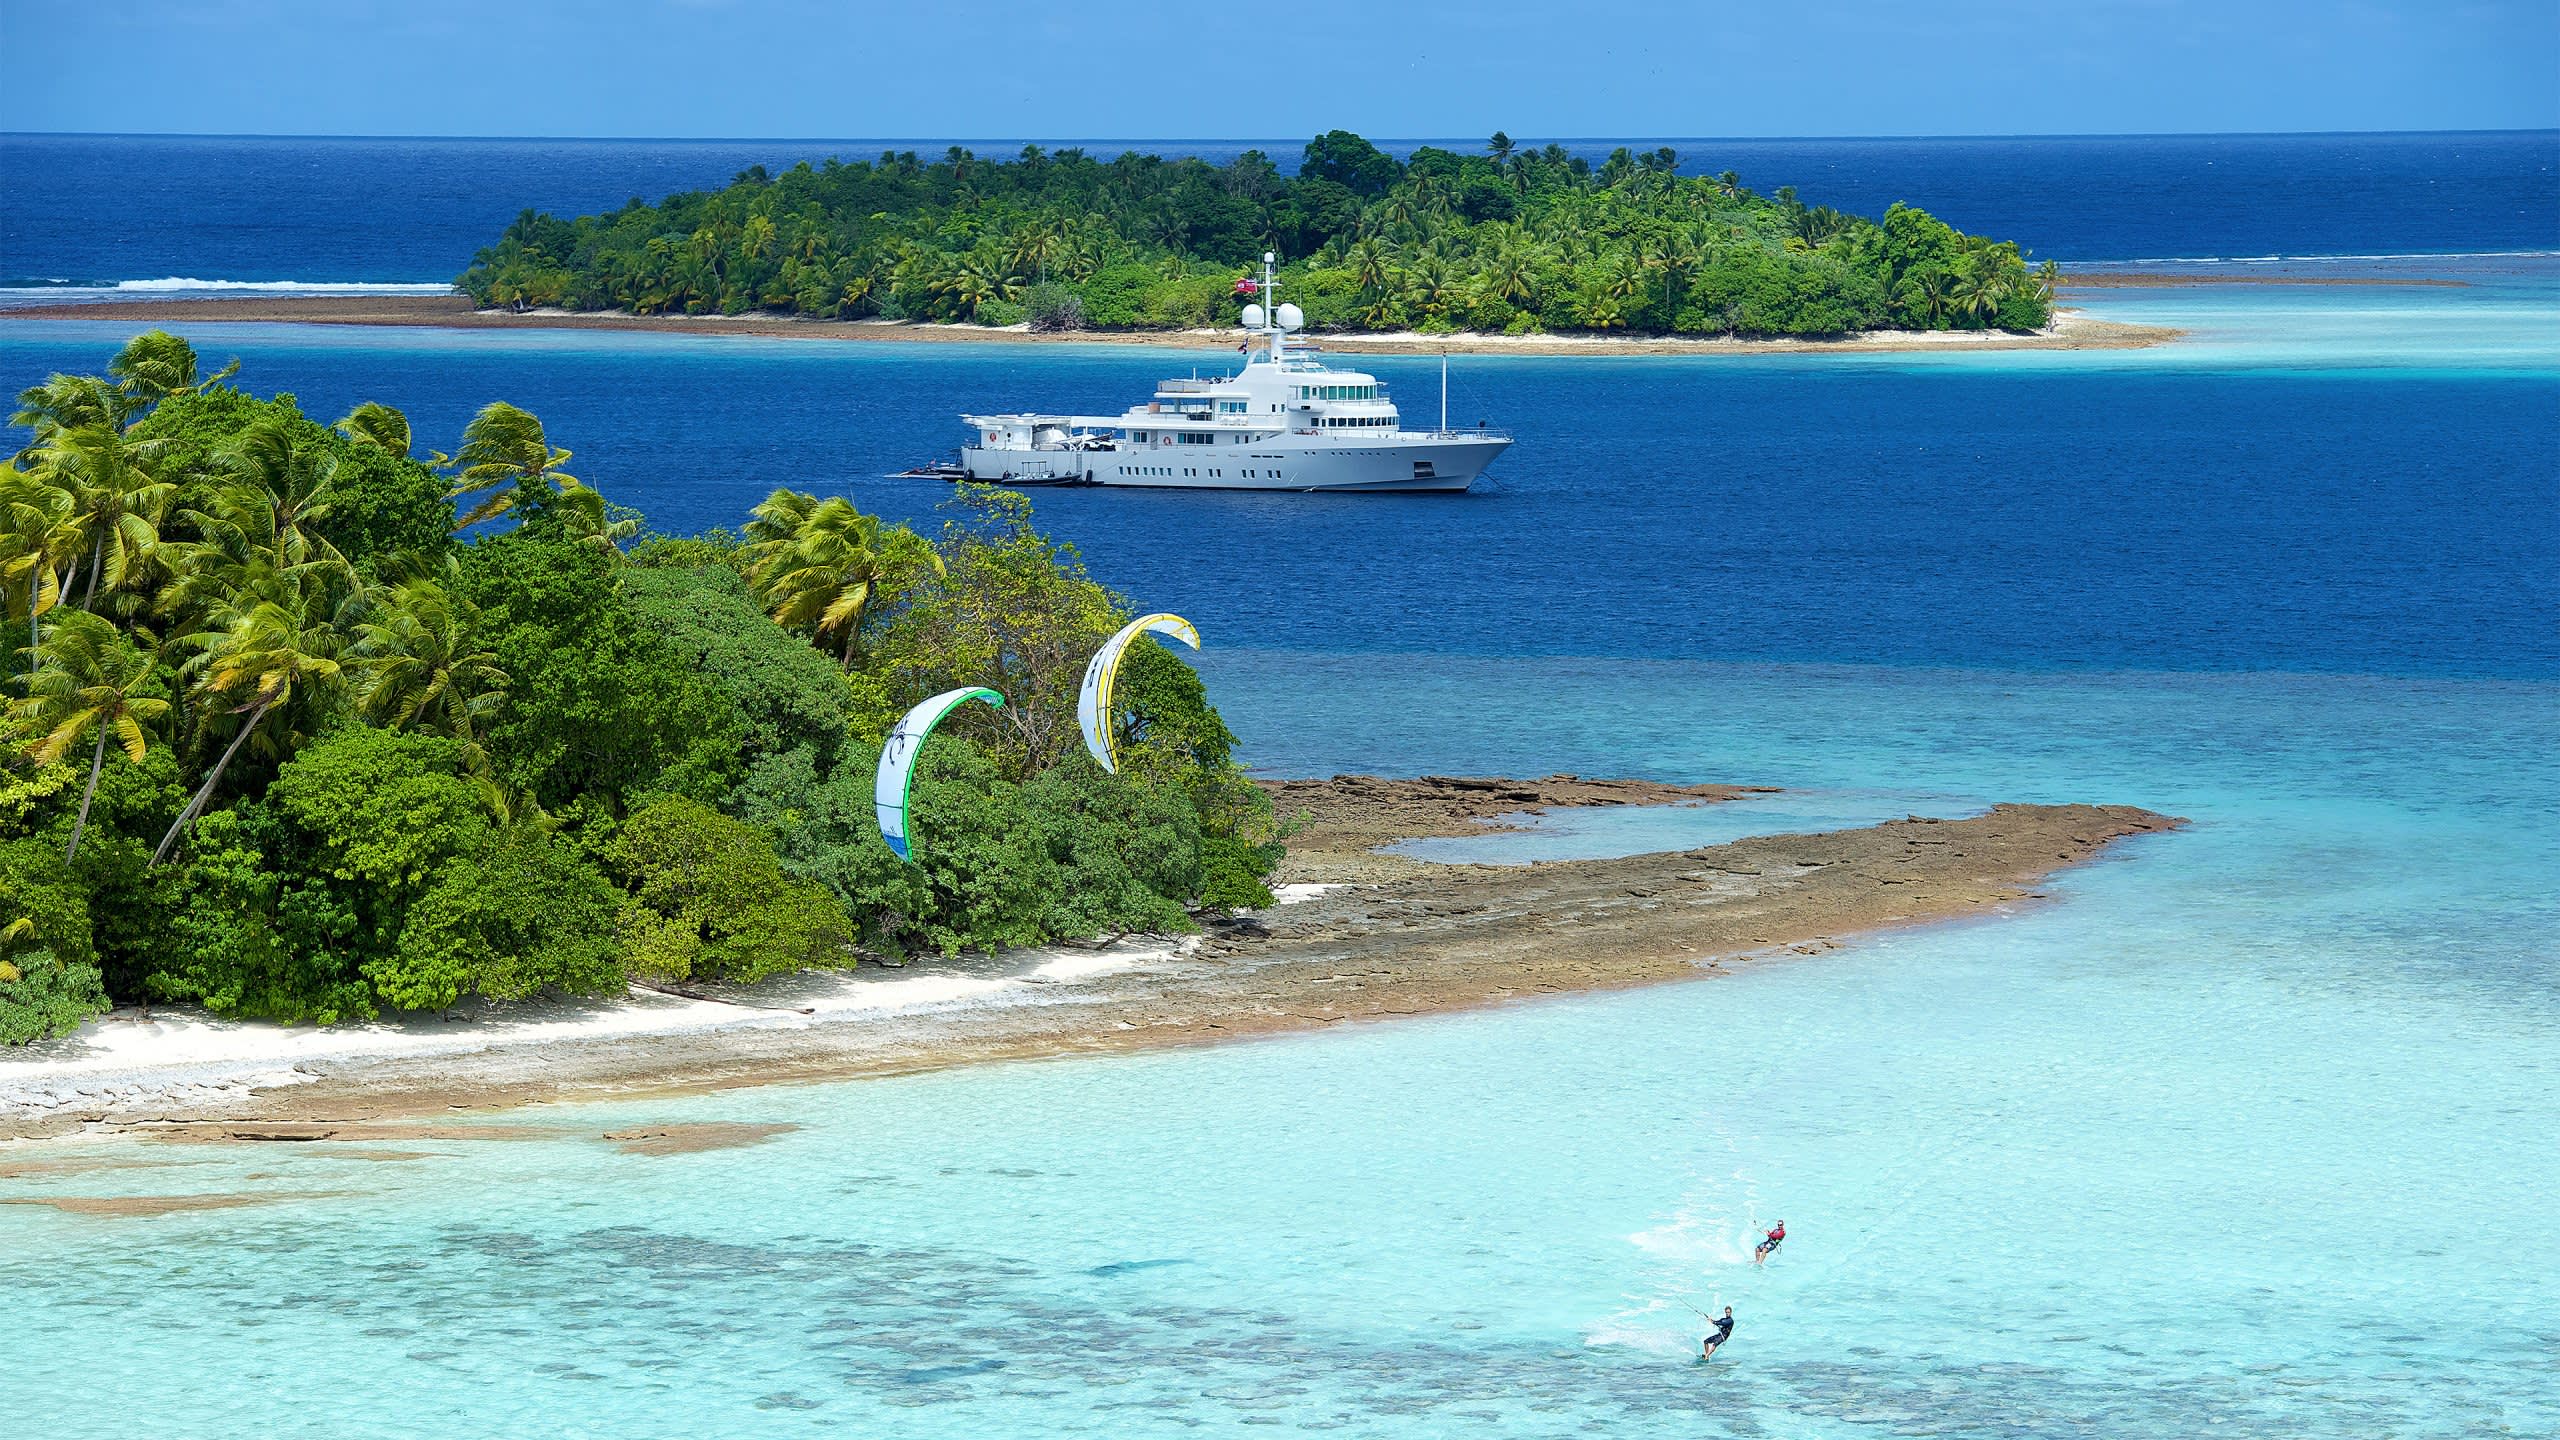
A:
1284,421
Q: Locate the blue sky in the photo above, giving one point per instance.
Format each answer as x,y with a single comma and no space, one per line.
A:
1094,69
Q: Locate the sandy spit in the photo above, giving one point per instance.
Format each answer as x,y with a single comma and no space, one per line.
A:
2071,330
1358,946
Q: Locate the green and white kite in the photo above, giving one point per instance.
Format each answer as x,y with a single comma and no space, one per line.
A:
897,773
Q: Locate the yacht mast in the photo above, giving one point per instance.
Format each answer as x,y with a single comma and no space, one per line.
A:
1271,309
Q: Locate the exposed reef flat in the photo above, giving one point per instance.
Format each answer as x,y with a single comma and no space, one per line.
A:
1372,941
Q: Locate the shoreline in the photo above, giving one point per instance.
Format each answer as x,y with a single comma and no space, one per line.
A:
1350,944
2072,329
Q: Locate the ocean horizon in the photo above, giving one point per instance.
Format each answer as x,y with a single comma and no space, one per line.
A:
343,212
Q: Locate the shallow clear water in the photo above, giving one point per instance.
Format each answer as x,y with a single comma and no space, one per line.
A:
2248,1129
2243,1132
1643,829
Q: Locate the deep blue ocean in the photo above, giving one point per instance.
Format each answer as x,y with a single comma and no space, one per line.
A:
409,211
2243,1131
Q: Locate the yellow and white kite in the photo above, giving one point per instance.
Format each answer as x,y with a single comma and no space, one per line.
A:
1093,702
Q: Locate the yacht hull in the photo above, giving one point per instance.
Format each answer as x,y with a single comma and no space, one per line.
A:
1431,464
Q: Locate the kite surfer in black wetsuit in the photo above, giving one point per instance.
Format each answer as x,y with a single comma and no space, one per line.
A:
1724,1332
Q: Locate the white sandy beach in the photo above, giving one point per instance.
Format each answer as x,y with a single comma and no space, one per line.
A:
136,1062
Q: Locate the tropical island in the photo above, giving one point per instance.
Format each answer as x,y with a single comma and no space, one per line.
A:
293,734
305,726
1514,242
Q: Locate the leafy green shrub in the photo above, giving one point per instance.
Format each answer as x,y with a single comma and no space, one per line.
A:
1115,297
36,887
1126,850
49,982
1053,307
517,917
600,706
243,942
372,874
785,694
709,900
42,996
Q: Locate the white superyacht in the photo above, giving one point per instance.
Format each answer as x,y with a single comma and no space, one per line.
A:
1285,421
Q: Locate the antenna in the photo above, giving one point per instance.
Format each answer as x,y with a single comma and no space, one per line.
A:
1444,392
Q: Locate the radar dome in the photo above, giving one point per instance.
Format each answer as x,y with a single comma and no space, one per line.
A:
1253,317
1291,317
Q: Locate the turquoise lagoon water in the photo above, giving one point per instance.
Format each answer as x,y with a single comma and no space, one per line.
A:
2244,1130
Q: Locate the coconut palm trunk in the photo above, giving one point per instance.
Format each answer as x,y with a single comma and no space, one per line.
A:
204,792
89,792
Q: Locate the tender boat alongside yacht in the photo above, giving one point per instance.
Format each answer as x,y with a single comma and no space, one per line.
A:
1285,421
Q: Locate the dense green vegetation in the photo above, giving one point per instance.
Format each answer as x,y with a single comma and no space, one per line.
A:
1513,240
289,734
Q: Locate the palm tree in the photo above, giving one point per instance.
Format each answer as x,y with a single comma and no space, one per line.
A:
592,520
1437,288
1934,295
1370,261
155,365
39,535
260,656
421,666
772,525
1661,255
88,677
64,403
1501,148
1034,246
376,424
1979,291
117,501
291,478
1402,209
972,283
1510,277
823,563
503,452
